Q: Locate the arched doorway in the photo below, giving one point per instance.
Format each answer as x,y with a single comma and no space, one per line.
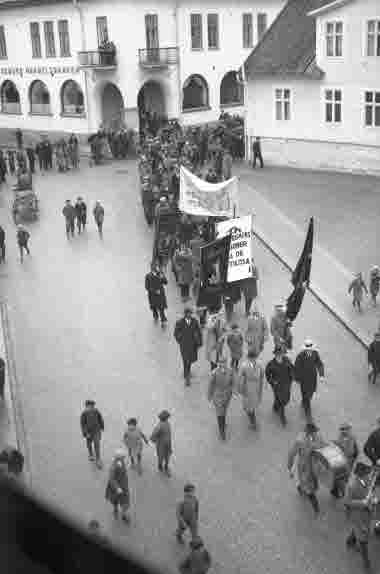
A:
72,99
231,91
195,93
151,105
112,107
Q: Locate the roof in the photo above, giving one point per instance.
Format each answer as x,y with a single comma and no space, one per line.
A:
288,46
330,5
6,4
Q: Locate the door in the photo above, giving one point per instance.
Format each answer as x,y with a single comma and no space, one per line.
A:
151,32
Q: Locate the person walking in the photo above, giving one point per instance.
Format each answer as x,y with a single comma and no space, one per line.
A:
374,358
251,384
162,438
216,329
357,286
198,561
280,327
74,151
11,154
2,378
348,444
374,283
257,332
40,152
98,213
117,489
31,158
3,168
78,214
183,261
187,513
301,452
235,342
92,426
307,367
154,285
22,240
2,245
188,335
83,213
220,392
69,215
249,290
279,373
372,445
134,440
256,150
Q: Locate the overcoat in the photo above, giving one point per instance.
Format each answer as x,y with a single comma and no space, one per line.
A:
215,337
162,437
257,333
374,283
220,389
189,338
307,366
251,383
235,342
280,377
302,451
118,478
154,285
278,327
183,261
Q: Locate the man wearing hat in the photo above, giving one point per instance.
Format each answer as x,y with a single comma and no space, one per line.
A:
155,282
307,367
198,561
372,445
69,215
92,426
188,335
187,513
162,437
357,286
279,374
220,392
349,446
374,358
23,236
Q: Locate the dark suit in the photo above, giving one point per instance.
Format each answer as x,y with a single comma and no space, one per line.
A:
188,335
307,366
154,285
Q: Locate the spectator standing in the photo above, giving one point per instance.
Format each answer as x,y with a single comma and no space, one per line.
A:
357,286
256,149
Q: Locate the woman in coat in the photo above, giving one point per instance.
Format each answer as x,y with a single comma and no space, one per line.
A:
162,437
279,374
251,383
257,332
220,392
215,338
117,490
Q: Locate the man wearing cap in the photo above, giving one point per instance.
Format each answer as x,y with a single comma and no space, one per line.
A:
357,286
92,426
257,332
117,490
374,358
374,283
69,215
198,561
23,236
372,445
187,513
279,373
307,367
349,446
188,335
220,392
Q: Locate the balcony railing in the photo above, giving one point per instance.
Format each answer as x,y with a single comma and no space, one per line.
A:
97,59
158,57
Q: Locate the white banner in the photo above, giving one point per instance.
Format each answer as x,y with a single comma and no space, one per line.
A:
240,262
198,197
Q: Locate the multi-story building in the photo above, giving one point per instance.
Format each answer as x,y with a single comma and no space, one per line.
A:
313,86
59,70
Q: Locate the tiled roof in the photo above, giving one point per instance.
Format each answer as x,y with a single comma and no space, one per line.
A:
288,46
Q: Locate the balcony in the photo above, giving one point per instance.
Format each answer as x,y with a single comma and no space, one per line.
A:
158,57
99,59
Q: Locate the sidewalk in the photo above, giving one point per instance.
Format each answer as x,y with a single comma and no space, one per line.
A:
329,278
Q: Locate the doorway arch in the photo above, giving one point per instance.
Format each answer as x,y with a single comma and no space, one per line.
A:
151,100
112,107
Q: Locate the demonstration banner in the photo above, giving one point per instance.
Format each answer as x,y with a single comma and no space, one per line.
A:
240,260
198,197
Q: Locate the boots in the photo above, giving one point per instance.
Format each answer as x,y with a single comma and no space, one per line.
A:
364,553
252,420
222,427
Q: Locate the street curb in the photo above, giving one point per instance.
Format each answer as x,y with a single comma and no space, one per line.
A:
314,290
22,443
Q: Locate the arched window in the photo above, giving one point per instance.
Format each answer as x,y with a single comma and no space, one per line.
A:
72,100
231,91
39,98
10,98
195,93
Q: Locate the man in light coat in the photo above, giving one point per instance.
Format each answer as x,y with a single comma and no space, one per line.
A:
216,329
257,332
357,286
220,392
307,367
251,383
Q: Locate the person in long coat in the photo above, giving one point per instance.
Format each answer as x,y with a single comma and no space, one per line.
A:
251,384
357,286
154,285
280,327
69,215
374,283
348,444
374,358
216,329
301,453
249,289
279,373
162,438
117,489
308,365
183,261
220,392
235,342
188,335
257,332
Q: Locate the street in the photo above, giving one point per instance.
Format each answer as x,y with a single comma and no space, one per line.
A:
83,330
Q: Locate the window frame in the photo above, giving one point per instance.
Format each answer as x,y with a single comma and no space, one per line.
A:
3,43
32,112
261,16
37,38
334,37
376,38
64,34
282,100
373,105
102,20
247,17
68,114
333,102
200,16
216,28
16,112
50,51
151,31
205,106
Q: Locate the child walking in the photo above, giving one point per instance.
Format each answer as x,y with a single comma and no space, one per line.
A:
133,440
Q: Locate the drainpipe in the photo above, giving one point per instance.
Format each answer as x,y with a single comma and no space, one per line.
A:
179,106
78,6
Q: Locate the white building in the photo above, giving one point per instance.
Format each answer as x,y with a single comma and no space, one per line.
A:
313,86
176,57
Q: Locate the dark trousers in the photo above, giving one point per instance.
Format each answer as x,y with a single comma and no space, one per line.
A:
257,155
186,367
185,290
213,365
279,408
2,252
306,403
235,364
163,460
70,227
23,246
248,303
40,162
100,227
222,426
161,312
374,374
2,382
94,441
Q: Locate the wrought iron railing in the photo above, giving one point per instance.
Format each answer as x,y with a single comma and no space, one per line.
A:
99,58
158,57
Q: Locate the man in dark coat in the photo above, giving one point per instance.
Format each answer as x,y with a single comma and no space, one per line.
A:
256,149
154,285
374,358
23,236
279,374
2,245
372,445
307,367
31,158
92,426
69,215
188,335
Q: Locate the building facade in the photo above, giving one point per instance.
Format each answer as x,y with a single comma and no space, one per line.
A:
319,104
76,66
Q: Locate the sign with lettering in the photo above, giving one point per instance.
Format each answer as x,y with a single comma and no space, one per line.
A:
240,258
52,71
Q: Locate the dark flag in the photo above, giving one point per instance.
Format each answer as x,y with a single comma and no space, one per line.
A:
213,269
294,302
301,275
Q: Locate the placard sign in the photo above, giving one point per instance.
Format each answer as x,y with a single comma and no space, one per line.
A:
240,260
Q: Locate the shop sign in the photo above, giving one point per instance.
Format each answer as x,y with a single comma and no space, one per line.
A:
38,70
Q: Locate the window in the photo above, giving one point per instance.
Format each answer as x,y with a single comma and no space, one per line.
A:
333,106
373,38
39,99
247,31
72,100
261,25
35,39
282,104
213,31
102,30
334,39
196,31
49,40
195,93
64,40
151,34
10,98
231,90
3,45
372,109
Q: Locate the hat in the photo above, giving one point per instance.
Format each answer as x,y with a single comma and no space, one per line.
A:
119,453
308,343
132,421
188,308
164,415
196,542
89,403
345,426
311,427
188,487
375,268
279,348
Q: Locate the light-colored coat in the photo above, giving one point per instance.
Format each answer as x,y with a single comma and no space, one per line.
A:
215,337
220,389
302,450
257,333
251,383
